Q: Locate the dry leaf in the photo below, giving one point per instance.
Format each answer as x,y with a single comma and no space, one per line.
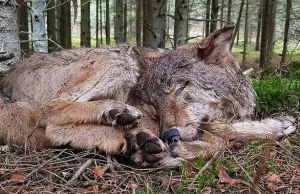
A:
206,190
2,172
17,176
296,169
190,170
93,188
274,178
224,177
296,191
99,172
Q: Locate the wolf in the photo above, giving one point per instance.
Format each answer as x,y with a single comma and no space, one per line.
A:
154,106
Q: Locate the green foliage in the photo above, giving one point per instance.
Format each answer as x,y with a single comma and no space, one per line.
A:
279,92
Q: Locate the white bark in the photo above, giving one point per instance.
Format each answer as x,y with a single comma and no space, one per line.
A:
40,42
10,51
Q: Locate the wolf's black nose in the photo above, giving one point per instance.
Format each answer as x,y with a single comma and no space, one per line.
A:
171,135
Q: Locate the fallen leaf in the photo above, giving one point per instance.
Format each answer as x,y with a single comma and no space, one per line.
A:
295,191
93,188
206,190
190,170
274,178
99,172
17,176
2,172
224,177
272,187
296,169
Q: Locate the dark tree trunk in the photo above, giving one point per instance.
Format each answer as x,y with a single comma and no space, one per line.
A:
257,42
246,32
208,3
107,23
51,26
119,22
237,22
125,20
229,10
154,27
271,30
264,34
138,22
85,30
101,22
97,23
222,13
23,26
214,15
65,25
181,22
286,30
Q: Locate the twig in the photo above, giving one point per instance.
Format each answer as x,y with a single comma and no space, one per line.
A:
258,191
214,158
79,171
42,165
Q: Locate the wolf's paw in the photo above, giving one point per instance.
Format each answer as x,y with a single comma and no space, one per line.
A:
146,149
284,125
124,118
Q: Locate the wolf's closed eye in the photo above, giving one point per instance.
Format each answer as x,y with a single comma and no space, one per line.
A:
178,92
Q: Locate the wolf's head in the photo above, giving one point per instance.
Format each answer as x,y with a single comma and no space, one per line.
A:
196,83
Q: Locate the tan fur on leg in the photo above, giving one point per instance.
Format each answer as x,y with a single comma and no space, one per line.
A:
88,136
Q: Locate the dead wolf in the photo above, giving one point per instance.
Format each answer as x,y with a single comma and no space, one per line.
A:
154,106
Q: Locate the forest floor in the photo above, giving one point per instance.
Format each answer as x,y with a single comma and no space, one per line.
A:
252,167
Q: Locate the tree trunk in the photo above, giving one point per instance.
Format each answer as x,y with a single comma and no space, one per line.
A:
237,22
214,15
257,45
85,25
271,31
222,13
65,25
107,23
264,34
97,24
51,26
10,51
154,23
229,10
40,43
181,22
125,20
286,31
138,22
119,22
101,24
208,3
23,26
246,32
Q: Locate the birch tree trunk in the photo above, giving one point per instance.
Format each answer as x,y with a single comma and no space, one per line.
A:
40,43
10,51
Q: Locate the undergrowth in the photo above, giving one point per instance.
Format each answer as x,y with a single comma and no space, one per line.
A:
278,92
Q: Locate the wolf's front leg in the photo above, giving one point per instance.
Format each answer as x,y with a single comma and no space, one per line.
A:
107,112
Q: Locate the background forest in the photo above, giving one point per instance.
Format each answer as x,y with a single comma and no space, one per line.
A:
266,44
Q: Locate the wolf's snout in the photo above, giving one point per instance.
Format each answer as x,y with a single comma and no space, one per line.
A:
171,135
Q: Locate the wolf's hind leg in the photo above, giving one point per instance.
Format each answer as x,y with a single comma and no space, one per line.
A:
253,130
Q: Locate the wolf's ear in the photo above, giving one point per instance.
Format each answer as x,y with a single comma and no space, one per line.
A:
147,57
214,47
